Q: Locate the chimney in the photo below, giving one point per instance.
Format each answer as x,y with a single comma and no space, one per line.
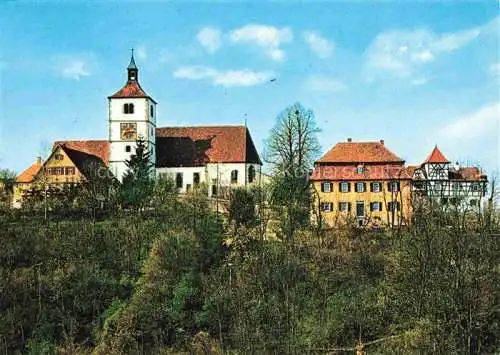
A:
39,160
382,141
349,140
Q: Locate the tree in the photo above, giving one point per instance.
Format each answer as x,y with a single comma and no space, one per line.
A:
137,183
242,207
291,149
292,146
7,180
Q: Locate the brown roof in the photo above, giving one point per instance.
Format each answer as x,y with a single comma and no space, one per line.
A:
467,173
370,172
195,146
132,89
28,175
436,157
87,164
410,170
98,148
360,152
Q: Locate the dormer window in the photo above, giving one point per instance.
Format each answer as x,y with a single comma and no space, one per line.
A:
359,169
128,108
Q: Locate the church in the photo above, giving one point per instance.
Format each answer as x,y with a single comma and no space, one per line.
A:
218,156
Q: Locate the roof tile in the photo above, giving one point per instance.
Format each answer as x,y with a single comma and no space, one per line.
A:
99,148
436,157
29,174
349,173
360,152
195,146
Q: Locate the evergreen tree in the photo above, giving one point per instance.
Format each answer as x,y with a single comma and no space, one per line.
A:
138,181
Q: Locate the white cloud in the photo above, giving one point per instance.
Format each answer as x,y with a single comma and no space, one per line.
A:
268,37
482,122
399,53
324,84
318,44
226,78
210,39
74,69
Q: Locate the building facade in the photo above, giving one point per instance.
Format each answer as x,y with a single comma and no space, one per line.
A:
218,156
455,185
132,115
361,182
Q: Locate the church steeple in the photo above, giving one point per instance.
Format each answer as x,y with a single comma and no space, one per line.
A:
133,72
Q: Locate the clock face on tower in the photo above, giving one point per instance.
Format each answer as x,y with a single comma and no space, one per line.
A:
128,131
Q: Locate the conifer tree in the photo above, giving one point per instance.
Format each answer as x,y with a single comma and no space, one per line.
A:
137,183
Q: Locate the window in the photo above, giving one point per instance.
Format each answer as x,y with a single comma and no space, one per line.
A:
196,178
251,174
58,171
178,180
393,186
188,187
151,110
326,206
444,200
234,176
152,132
326,187
128,108
214,187
473,202
375,186
58,157
344,206
375,206
360,187
127,148
345,187
359,169
70,170
475,186
393,206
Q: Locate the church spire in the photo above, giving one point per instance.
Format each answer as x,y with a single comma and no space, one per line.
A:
133,71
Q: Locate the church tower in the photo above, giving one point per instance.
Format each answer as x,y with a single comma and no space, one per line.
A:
131,115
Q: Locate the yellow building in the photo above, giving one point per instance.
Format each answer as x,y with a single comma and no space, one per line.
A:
361,182
70,162
25,182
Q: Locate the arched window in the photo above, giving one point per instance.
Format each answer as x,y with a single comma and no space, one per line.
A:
234,176
128,108
178,180
251,174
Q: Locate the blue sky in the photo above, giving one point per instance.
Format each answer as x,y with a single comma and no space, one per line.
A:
413,73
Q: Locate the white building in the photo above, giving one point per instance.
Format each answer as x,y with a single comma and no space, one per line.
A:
436,179
219,156
131,114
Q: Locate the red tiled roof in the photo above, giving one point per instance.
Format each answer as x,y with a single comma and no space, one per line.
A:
195,146
410,170
360,152
467,173
436,157
29,174
99,148
370,172
132,89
